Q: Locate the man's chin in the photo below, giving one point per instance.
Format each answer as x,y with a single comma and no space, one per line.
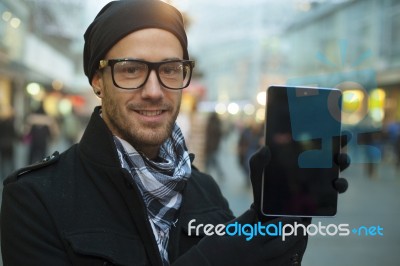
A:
150,137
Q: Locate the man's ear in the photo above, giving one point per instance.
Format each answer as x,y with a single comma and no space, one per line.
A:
97,84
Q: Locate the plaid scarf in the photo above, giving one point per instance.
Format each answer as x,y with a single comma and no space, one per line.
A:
160,183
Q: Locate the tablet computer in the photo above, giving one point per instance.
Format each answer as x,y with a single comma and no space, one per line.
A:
302,131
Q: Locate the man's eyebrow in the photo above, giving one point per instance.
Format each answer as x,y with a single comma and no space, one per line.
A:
163,60
171,58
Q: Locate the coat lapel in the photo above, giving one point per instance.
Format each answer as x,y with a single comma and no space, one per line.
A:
97,148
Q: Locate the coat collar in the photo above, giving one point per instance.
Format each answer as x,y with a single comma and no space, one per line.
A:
97,142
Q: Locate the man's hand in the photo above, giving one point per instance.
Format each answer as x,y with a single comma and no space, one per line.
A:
263,156
257,164
343,161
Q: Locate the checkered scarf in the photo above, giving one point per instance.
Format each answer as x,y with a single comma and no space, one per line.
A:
160,183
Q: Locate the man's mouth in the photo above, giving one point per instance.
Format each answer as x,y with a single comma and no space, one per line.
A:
150,113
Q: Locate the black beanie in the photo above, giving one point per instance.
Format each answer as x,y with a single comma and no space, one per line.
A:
119,18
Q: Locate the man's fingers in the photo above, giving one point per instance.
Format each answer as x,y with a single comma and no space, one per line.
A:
340,185
259,160
343,161
345,138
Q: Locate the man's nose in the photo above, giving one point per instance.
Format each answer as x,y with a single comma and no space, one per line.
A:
152,88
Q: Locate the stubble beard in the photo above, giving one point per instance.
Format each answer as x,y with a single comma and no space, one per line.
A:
133,132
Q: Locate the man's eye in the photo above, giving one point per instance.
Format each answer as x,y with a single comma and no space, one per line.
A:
171,69
131,70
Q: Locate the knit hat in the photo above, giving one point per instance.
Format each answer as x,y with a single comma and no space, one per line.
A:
120,18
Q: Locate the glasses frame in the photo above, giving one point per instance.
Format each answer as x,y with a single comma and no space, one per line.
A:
150,65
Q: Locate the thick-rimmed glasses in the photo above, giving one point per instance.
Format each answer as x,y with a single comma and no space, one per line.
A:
132,73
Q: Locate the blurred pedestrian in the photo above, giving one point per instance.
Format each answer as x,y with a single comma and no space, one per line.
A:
71,128
397,151
373,147
7,141
41,129
214,134
250,140
393,138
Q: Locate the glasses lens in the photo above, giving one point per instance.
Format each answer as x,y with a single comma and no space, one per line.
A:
175,75
130,74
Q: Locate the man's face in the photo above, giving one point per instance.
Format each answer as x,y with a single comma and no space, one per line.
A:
144,117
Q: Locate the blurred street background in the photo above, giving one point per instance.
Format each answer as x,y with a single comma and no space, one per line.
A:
240,48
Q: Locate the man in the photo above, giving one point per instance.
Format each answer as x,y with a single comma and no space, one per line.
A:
126,193
7,140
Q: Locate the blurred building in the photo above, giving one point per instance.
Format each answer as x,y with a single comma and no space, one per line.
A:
353,45
240,48
243,47
41,56
229,38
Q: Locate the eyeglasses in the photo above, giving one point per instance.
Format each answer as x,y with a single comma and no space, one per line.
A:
132,74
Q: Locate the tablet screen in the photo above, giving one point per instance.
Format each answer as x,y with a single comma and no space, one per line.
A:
303,134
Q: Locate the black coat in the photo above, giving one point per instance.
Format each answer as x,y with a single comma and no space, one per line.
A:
81,208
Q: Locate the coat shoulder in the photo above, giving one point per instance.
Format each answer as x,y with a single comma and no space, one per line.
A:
45,162
57,164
